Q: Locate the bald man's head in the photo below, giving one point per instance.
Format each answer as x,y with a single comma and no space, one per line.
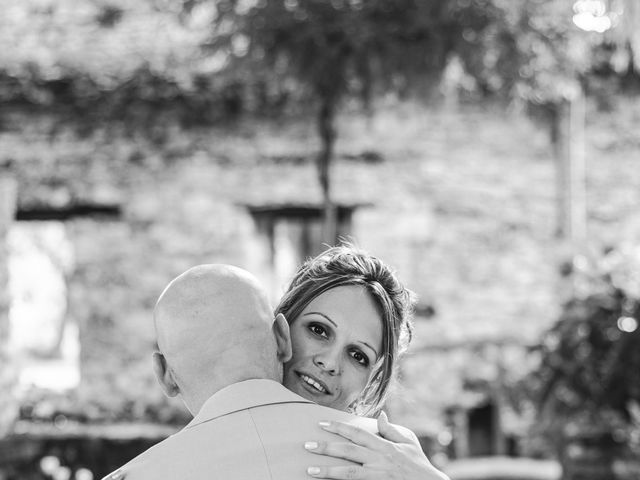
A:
214,327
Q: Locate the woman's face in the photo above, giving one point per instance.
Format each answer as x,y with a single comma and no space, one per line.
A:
336,341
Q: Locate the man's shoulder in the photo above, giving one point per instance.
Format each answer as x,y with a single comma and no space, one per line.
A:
288,418
284,428
270,428
273,396
140,467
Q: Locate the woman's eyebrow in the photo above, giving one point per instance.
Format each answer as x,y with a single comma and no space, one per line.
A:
372,349
323,316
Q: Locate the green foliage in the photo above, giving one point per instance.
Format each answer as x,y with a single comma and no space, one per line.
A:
338,47
514,49
346,47
103,61
589,378
261,53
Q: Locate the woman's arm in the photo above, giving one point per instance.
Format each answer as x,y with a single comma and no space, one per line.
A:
396,454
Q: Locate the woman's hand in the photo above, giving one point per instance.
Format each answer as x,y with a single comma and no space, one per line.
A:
396,454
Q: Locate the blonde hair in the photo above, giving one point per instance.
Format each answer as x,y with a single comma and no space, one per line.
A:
348,265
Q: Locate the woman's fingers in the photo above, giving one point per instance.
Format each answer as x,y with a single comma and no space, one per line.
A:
397,456
394,433
351,472
357,435
346,451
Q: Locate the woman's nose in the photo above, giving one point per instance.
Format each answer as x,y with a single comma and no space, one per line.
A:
328,361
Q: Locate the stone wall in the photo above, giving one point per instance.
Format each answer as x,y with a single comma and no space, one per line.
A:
465,216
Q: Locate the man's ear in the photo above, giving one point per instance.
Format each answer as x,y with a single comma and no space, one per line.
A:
164,375
283,338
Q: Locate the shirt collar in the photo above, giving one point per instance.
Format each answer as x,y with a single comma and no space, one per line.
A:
244,395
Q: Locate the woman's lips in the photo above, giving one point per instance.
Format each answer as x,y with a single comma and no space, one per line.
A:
313,383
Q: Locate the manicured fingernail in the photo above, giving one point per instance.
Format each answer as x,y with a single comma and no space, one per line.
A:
117,475
310,445
324,424
313,470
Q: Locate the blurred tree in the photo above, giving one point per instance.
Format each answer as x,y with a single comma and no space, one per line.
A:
530,52
588,382
363,48
567,50
104,61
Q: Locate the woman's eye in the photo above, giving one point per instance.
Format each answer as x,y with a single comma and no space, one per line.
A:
360,358
318,330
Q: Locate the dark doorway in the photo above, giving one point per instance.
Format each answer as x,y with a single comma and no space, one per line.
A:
481,430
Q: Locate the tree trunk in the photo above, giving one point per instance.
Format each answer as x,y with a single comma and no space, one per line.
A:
567,141
577,172
8,405
558,145
567,132
326,128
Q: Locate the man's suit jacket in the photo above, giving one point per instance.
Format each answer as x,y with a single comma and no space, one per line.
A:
251,430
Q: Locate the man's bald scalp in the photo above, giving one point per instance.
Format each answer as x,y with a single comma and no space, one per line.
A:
214,326
208,293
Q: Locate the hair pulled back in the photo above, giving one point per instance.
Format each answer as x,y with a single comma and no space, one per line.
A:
347,265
